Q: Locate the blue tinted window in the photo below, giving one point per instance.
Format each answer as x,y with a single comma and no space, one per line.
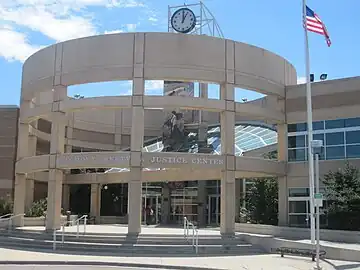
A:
296,141
352,137
339,123
336,138
297,127
353,151
319,125
335,152
352,122
319,137
296,154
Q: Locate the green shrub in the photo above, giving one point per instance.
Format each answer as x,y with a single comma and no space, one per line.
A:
6,206
37,209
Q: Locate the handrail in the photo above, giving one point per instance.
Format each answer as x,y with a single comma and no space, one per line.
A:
9,218
195,234
3,216
77,222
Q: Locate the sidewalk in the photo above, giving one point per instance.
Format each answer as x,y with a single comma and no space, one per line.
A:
271,261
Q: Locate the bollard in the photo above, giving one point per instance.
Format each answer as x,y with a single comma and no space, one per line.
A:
63,234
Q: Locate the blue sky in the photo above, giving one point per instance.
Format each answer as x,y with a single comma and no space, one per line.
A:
27,25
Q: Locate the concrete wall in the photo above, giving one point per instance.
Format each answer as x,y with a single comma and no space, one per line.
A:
8,140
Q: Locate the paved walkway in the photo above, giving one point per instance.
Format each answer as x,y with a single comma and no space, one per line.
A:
271,261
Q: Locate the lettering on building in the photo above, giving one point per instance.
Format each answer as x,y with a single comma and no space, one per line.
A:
182,160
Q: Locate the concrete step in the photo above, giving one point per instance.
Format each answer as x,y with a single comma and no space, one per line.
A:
120,238
82,247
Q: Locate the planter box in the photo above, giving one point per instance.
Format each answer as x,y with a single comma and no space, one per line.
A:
39,221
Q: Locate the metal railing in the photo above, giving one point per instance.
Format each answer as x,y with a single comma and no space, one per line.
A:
9,218
77,222
195,234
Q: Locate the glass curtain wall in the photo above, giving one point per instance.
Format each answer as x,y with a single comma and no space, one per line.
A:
341,139
299,208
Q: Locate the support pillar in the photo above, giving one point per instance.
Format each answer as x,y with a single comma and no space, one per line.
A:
95,200
238,183
20,178
136,145
66,197
53,212
30,183
202,196
165,204
57,146
227,196
283,199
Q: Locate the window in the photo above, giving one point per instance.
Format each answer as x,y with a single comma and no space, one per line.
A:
353,137
353,151
319,125
297,207
297,127
296,141
297,154
299,192
335,138
352,122
331,124
335,152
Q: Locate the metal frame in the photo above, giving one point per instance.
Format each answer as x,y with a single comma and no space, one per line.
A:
206,23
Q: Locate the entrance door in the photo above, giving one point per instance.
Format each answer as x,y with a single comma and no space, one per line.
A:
213,209
153,202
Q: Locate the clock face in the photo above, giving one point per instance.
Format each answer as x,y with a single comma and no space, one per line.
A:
183,20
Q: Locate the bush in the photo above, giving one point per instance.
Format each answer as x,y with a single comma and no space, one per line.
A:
37,209
6,206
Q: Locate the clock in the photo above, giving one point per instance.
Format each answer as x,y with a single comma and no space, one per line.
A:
183,20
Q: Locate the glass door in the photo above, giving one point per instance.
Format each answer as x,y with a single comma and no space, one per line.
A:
213,209
151,206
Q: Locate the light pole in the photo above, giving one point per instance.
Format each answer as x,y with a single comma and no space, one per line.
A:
317,147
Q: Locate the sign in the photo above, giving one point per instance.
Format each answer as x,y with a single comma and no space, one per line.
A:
101,159
318,199
183,160
316,143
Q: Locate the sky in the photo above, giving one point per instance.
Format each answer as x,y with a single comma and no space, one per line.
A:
29,25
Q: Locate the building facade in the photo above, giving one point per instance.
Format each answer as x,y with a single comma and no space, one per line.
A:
105,155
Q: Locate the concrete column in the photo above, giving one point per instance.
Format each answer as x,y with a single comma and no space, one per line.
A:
53,212
22,152
238,183
165,204
283,200
136,145
66,197
66,188
57,146
30,183
202,200
228,200
95,200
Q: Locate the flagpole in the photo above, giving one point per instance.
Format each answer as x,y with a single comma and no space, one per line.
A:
309,128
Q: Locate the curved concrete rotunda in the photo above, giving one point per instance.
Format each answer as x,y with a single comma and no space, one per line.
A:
138,57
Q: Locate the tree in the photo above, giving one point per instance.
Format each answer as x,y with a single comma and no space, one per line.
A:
262,201
342,191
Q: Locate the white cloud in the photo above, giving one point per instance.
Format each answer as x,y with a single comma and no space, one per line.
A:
55,27
57,19
131,27
114,31
301,80
154,85
14,45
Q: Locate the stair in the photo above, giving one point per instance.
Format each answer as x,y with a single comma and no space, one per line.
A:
120,244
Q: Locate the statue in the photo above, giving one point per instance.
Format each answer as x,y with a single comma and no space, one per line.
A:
174,135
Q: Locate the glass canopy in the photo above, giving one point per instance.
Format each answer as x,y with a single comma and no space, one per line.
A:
247,137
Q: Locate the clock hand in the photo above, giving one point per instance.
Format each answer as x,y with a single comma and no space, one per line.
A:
183,17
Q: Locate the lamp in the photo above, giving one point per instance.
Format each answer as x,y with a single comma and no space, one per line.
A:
323,77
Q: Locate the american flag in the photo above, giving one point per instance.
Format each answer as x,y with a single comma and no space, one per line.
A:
314,24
